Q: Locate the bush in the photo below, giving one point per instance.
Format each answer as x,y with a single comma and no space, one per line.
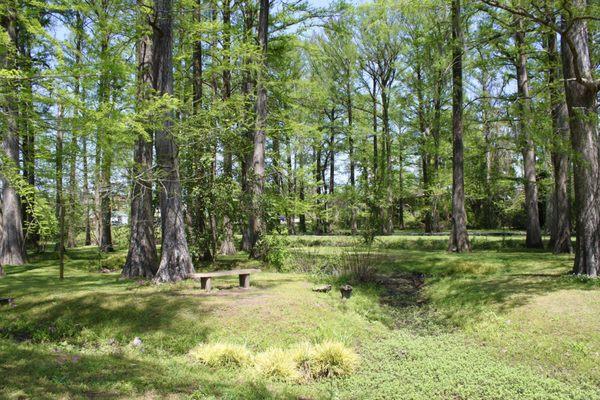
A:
222,355
277,364
274,250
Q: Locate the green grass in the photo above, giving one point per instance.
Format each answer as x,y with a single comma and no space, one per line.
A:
499,323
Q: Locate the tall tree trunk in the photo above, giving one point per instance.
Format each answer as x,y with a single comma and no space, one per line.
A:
386,161
256,221
32,234
349,109
199,223
86,194
175,262
581,92
60,206
459,237
248,87
12,246
227,245
73,147
561,227
103,163
534,232
142,260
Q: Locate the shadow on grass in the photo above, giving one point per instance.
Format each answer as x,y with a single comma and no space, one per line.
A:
40,373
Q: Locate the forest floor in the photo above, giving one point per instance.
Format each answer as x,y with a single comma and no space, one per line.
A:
499,323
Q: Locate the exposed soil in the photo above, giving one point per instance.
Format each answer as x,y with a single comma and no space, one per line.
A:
402,289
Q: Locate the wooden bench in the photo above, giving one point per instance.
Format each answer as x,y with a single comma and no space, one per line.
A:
206,277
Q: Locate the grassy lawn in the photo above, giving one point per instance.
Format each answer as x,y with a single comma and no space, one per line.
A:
499,323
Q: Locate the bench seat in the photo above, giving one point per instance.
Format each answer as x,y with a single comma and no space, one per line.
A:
206,277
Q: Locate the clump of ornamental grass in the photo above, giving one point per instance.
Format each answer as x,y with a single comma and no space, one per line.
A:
277,364
222,355
303,362
330,359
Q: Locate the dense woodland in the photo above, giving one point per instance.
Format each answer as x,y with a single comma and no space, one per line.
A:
218,126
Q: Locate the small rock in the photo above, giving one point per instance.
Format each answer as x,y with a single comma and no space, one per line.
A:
137,342
322,288
105,271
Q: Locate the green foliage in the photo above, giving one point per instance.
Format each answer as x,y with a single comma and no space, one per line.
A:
274,250
113,262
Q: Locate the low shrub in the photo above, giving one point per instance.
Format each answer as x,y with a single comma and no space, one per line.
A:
274,250
113,262
222,355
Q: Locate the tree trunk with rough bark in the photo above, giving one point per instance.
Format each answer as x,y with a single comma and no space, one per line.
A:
60,206
257,171
459,237
581,94
534,231
12,244
175,262
560,234
142,260
227,244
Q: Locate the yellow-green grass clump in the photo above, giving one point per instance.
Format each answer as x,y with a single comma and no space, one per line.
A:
277,364
331,359
222,355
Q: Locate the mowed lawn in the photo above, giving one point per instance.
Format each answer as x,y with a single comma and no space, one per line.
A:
499,323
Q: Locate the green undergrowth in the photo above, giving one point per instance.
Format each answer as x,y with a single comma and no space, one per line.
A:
499,323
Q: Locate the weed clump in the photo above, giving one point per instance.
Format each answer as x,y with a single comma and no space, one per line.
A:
222,355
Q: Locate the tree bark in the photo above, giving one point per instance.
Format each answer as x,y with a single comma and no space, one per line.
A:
73,147
227,245
581,92
103,165
60,206
175,263
256,222
86,194
142,260
561,227
534,231
12,245
459,237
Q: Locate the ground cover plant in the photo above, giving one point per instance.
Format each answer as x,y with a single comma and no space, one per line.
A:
502,323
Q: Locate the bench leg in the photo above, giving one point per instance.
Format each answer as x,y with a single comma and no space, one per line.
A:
245,281
205,284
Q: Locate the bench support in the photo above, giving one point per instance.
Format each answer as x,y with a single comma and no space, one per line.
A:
205,283
245,281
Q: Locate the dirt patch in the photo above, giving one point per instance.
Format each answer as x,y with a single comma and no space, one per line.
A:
402,289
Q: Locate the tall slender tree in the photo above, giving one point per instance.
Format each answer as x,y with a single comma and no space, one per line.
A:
459,237
257,172
534,231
